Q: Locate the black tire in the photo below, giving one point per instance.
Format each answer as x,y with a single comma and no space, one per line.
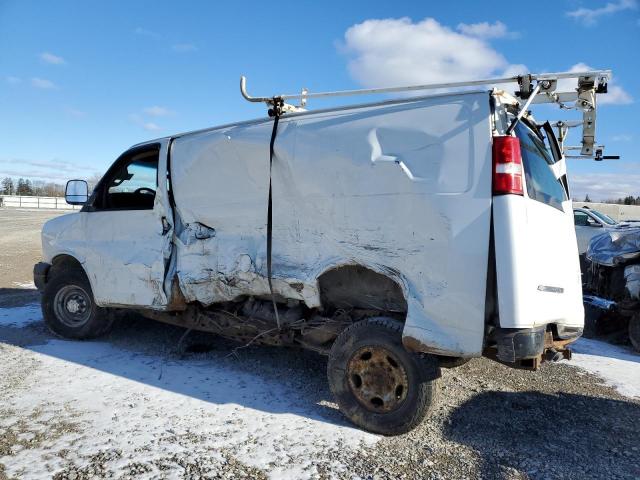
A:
634,331
401,410
67,290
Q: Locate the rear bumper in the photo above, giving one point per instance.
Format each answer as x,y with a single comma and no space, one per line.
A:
40,272
528,347
514,344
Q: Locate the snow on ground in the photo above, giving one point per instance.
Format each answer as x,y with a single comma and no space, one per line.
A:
130,406
19,317
133,406
618,366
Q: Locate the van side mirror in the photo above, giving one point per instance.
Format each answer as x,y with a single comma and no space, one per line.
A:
76,192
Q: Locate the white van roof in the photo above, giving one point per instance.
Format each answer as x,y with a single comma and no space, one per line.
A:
393,101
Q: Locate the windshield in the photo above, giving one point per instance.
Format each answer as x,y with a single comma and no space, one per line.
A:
541,183
605,218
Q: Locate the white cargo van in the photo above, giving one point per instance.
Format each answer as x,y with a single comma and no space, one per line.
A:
395,237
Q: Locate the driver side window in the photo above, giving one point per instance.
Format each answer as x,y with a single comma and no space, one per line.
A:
132,183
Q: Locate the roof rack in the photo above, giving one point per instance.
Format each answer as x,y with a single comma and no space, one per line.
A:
532,88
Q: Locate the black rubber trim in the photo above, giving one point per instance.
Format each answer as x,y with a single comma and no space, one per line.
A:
274,132
514,344
40,273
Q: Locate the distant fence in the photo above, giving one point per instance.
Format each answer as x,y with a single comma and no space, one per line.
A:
615,211
21,201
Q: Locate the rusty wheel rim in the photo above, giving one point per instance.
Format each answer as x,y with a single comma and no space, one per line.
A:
377,379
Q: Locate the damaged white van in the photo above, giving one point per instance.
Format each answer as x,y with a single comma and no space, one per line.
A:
395,237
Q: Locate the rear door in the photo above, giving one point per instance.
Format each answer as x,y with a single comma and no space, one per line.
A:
538,269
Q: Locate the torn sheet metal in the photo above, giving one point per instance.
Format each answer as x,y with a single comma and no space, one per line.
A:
214,269
401,188
615,247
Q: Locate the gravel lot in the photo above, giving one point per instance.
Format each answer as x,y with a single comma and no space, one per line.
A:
137,404
20,250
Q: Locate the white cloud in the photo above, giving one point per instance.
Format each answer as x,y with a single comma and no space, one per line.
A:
13,80
184,47
486,30
400,52
42,83
604,186
514,70
140,121
52,59
623,137
150,126
590,16
616,95
157,111
143,32
48,170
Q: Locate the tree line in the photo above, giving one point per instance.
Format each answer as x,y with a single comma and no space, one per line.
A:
27,187
41,188
628,200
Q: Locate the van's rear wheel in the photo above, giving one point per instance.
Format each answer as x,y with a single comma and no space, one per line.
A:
378,384
68,307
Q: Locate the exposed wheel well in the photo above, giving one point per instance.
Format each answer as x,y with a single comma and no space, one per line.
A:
350,287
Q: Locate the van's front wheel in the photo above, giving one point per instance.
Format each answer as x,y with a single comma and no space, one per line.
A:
68,307
378,384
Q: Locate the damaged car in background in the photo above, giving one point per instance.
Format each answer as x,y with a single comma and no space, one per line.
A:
395,237
612,284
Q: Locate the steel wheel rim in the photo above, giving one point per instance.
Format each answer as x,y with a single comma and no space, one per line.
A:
72,306
377,379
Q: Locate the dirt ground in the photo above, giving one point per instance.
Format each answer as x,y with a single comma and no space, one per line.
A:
147,402
20,249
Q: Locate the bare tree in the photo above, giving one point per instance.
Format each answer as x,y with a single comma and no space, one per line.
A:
93,181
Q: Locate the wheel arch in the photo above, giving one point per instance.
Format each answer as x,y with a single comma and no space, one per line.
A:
354,285
65,261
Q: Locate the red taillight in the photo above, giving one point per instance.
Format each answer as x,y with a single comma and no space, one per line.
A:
507,166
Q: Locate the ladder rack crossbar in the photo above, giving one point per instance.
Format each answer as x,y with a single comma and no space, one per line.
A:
599,74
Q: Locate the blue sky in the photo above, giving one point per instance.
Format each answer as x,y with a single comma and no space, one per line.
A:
81,81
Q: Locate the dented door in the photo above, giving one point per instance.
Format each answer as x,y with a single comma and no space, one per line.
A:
128,230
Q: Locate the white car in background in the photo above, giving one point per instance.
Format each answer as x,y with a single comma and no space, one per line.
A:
589,223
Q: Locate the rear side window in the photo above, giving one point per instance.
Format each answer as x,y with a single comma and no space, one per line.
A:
542,185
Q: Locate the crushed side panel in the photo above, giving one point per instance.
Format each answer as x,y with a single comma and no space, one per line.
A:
403,189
